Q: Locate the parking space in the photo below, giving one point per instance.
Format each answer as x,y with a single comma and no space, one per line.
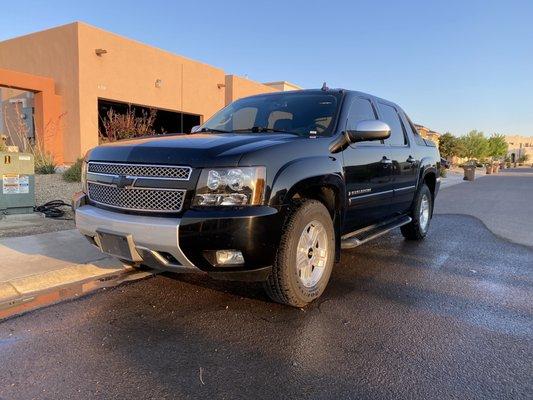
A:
447,318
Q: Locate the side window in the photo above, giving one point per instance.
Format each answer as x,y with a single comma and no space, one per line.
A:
360,110
416,134
390,116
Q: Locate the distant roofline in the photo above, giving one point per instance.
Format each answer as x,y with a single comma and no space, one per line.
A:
283,83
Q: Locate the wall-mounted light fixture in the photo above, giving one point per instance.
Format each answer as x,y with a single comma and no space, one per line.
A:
158,83
100,52
220,85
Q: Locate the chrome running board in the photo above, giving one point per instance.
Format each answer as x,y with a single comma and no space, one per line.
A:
368,233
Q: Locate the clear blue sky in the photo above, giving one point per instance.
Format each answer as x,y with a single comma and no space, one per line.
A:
452,65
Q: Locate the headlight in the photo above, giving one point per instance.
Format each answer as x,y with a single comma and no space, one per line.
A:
231,187
84,176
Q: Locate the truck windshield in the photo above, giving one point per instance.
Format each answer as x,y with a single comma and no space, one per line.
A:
300,113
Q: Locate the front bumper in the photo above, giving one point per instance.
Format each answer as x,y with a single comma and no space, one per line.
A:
181,244
154,238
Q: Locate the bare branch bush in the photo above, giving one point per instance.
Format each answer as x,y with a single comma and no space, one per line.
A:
118,126
17,131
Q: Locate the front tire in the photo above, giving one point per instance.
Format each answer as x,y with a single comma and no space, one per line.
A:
305,256
421,215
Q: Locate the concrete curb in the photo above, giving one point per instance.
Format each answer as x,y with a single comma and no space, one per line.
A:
31,292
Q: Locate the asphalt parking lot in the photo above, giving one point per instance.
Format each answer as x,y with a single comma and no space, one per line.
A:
447,318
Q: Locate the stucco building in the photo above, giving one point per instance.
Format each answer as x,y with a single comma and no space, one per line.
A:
427,133
519,146
61,82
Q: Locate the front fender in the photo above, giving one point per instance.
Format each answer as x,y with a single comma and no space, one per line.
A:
427,165
304,173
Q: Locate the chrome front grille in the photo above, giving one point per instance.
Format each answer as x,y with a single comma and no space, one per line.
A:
136,199
141,170
138,187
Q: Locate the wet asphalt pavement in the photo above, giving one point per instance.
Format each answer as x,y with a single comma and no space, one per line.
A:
450,317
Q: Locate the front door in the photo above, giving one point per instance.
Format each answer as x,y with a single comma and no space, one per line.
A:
368,173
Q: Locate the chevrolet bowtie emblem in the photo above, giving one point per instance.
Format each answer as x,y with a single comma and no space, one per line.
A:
123,181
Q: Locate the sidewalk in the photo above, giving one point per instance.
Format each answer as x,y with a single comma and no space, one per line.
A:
49,264
452,178
503,202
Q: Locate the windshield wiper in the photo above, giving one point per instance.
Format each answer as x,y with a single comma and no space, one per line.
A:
259,129
213,130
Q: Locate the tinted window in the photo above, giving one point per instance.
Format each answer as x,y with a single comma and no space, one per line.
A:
300,113
416,134
390,116
360,110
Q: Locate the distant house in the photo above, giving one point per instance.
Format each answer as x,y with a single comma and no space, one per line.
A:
427,133
519,146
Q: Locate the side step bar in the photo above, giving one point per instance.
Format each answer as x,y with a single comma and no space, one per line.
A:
366,234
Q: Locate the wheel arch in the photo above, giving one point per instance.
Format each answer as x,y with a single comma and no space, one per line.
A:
299,180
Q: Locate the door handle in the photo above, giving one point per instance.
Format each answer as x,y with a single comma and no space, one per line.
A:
411,160
386,160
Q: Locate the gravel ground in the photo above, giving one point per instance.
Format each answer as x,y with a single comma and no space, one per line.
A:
47,188
53,187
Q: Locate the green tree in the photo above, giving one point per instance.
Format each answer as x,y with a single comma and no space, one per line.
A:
497,146
449,145
474,145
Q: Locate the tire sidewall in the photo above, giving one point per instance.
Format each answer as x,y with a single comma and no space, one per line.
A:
304,216
424,190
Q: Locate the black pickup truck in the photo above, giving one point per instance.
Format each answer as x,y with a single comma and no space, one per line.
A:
271,188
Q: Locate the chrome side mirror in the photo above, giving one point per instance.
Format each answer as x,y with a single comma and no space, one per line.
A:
368,130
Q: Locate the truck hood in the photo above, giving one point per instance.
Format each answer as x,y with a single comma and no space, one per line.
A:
195,150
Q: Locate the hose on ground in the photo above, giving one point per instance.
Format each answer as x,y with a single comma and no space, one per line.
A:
53,209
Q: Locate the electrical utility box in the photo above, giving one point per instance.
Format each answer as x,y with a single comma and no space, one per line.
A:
17,183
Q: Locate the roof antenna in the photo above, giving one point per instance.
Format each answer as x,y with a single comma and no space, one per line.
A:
325,86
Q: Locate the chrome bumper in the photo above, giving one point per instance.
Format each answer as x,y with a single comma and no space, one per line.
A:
154,238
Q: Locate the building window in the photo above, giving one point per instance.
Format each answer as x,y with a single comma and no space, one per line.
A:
166,122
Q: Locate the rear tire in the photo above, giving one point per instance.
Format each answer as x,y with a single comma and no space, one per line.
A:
421,215
305,256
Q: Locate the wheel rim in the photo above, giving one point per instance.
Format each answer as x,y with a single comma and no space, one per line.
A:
312,254
424,213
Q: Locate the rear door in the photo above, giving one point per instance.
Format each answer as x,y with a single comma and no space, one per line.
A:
404,158
368,172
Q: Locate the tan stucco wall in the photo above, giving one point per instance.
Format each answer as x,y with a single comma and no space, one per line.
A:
52,54
126,73
283,85
48,115
238,87
520,145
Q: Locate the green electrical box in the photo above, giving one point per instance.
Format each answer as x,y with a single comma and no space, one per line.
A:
17,183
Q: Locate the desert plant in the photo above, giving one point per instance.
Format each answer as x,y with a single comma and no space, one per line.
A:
443,172
73,173
523,158
44,167
449,145
474,146
18,130
118,126
497,147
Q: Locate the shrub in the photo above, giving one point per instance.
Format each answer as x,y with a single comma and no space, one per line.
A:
44,165
73,174
443,172
474,146
118,126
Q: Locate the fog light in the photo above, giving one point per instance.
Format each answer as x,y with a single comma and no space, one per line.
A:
229,257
